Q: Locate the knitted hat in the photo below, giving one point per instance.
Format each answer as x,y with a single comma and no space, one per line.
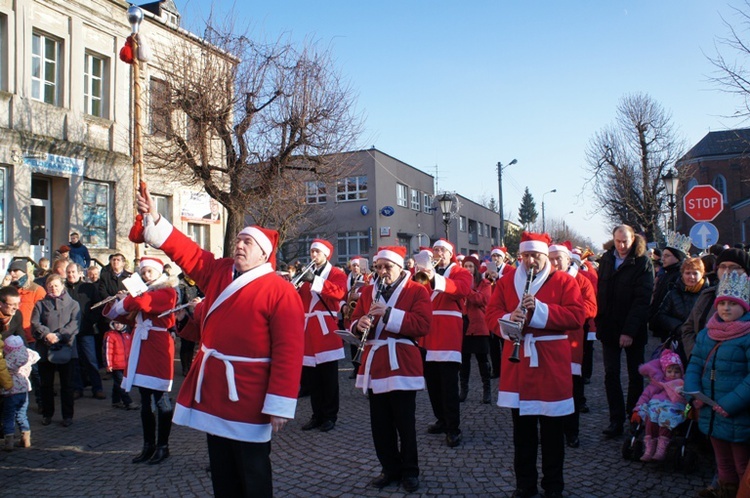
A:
394,254
734,287
19,265
323,246
735,256
13,343
669,357
266,240
534,242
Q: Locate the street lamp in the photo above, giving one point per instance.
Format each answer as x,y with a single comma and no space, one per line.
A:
446,204
544,225
135,18
670,185
501,232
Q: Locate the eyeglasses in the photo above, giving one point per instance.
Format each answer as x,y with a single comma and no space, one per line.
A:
384,267
10,305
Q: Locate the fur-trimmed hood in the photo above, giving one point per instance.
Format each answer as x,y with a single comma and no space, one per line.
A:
164,281
652,370
638,249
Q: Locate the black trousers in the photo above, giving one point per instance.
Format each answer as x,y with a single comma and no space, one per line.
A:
526,439
155,401
587,367
392,417
496,348
324,390
441,378
47,378
618,408
239,468
572,422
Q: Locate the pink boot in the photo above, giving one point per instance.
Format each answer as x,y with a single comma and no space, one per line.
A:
661,449
649,447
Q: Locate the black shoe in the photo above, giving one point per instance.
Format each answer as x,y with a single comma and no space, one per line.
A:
524,493
46,420
146,453
584,408
312,424
410,484
67,422
161,454
327,426
574,442
383,480
436,428
614,430
453,440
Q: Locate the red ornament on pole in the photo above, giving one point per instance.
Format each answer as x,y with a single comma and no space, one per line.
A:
703,203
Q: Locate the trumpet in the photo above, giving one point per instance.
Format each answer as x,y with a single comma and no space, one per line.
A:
421,276
297,280
515,355
358,357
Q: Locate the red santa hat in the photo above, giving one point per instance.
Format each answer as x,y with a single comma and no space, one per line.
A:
394,254
501,250
576,255
426,249
534,242
266,239
565,247
358,260
445,245
151,262
323,246
460,257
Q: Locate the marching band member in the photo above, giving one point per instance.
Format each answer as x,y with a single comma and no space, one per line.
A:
538,389
244,380
359,275
559,256
450,284
322,290
586,269
151,362
392,364
476,340
497,255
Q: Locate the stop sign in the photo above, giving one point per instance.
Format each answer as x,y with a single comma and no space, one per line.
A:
703,203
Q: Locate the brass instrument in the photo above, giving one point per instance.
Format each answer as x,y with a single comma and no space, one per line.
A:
421,276
358,357
297,280
351,300
515,355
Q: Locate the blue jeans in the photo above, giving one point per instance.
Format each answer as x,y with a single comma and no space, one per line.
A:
87,364
14,412
118,393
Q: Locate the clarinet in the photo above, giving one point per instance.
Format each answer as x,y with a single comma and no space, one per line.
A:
515,356
358,357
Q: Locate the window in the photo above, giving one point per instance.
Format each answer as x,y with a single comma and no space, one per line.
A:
486,229
720,184
351,244
352,188
480,229
415,199
401,194
427,203
315,193
3,202
96,209
94,85
462,223
46,70
163,205
473,228
3,52
199,232
160,120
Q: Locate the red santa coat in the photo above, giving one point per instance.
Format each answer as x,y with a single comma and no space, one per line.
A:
593,279
151,361
577,337
321,342
540,384
443,343
250,358
391,360
476,303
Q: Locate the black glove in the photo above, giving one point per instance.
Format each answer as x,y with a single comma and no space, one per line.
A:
308,276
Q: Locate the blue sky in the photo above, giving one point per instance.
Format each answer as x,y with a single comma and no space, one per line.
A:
461,86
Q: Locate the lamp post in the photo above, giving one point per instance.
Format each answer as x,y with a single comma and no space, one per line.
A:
670,185
544,225
565,225
501,229
446,204
135,18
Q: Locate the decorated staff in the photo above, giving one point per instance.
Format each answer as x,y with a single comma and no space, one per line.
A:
538,389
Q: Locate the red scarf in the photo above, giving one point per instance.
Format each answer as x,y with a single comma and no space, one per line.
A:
719,330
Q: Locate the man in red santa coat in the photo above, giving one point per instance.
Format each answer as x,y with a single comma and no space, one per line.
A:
391,371
538,389
497,255
323,288
244,381
450,284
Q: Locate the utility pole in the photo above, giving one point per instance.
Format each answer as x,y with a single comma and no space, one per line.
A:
501,228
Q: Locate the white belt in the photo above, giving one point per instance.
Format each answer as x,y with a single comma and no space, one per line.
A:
529,346
227,359
376,344
321,319
447,313
139,334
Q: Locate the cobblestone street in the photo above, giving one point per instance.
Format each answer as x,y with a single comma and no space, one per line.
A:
92,457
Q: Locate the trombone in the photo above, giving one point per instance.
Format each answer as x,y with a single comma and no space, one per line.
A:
297,280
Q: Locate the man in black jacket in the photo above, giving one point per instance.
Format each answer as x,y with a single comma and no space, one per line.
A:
626,282
11,321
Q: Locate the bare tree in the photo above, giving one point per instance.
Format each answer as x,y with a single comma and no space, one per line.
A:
733,75
626,161
252,123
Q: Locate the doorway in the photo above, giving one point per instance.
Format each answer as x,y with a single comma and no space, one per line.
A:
40,218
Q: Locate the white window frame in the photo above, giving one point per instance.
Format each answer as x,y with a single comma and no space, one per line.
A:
90,96
163,205
462,223
200,233
40,58
415,198
427,204
343,240
402,193
4,174
315,193
351,188
102,208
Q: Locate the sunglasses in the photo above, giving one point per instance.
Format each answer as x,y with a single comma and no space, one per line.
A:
384,267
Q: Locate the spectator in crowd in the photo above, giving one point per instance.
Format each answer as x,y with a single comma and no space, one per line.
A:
11,319
79,253
112,275
19,360
117,342
63,252
43,268
626,283
671,259
92,274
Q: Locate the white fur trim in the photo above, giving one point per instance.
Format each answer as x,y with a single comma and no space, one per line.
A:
151,263
324,357
497,251
559,248
533,246
155,234
396,383
317,284
444,244
395,320
576,369
453,356
591,336
540,316
391,256
155,383
439,283
239,431
116,309
260,238
279,406
534,407
322,248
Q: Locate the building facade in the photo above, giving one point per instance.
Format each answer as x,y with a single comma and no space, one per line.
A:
66,127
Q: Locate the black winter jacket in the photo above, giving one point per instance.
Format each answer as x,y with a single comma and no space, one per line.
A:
674,310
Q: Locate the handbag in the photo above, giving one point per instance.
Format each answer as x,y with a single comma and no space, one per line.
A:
59,354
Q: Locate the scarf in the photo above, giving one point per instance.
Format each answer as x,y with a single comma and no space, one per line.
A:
695,288
719,330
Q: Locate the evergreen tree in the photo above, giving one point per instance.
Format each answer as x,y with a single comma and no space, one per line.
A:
527,213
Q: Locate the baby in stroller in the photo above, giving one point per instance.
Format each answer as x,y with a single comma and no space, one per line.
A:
661,406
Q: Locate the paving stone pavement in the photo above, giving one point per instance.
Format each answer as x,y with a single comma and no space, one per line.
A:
92,457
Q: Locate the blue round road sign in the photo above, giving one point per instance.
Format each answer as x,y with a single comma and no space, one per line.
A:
704,234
